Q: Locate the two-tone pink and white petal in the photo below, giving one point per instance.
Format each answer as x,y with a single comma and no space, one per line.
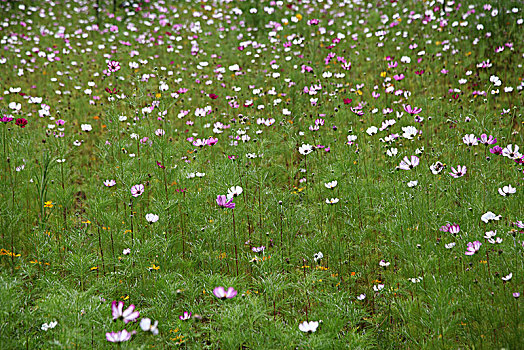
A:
130,314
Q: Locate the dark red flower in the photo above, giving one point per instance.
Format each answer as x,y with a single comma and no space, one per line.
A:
213,96
109,91
21,122
160,165
347,101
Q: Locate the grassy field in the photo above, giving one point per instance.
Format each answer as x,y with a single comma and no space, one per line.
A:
261,174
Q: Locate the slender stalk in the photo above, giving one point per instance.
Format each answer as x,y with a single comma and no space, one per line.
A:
101,251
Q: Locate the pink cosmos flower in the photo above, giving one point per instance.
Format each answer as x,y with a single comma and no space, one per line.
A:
412,110
470,140
224,202
258,249
459,172
221,293
185,316
473,247
451,228
487,140
128,315
199,143
211,141
113,66
119,337
109,183
137,190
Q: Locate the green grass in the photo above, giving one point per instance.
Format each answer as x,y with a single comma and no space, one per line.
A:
63,233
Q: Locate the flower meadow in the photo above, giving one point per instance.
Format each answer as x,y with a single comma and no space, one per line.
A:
261,174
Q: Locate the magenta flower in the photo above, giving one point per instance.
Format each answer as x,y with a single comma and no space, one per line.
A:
137,190
473,247
496,150
221,293
113,66
454,229
185,316
412,110
119,337
224,202
211,141
487,140
459,172
6,119
128,315
409,163
451,228
519,224
445,228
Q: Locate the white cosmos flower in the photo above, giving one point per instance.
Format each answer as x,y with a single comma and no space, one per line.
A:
384,263
489,216
163,86
507,190
436,168
409,132
497,240
305,149
331,184
86,127
470,140
392,152
511,151
152,218
15,106
308,327
507,278
490,234
332,200
450,245
234,191
372,130
51,325
147,326
413,183
378,287
352,138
